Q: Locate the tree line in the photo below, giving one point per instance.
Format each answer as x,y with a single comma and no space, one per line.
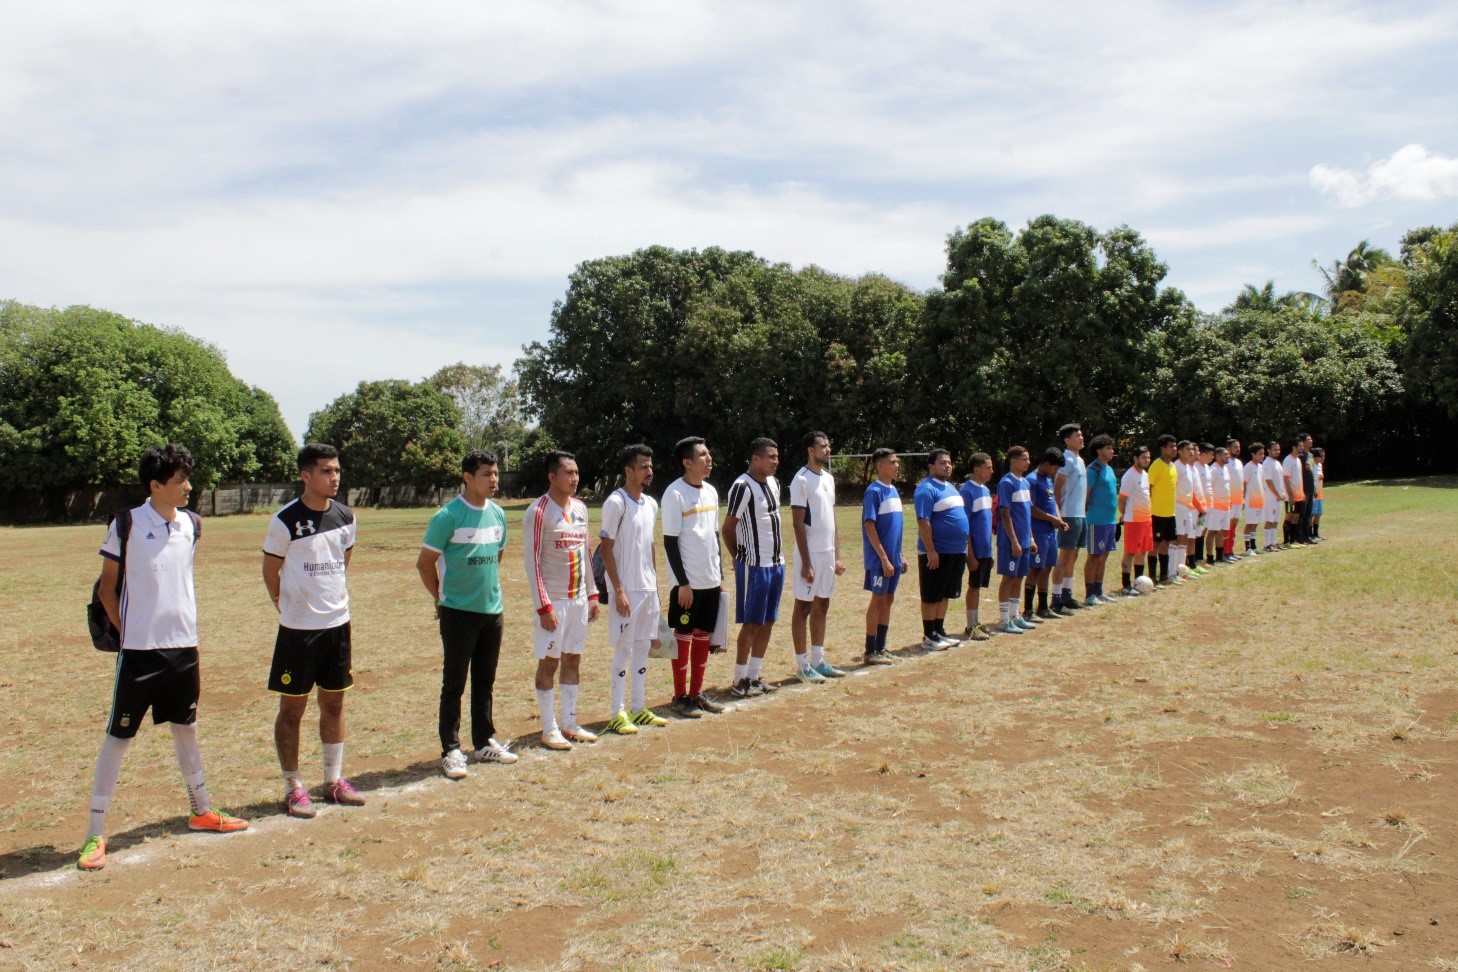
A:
1055,322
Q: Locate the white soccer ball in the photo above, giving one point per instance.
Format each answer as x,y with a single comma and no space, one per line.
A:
1184,571
1144,584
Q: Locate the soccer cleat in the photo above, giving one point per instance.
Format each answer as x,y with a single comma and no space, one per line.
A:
1104,598
555,740
684,707
744,689
1011,627
1092,601
216,821
828,670
991,630
979,634
622,724
1045,614
647,717
1070,604
1128,592
705,704
298,804
342,792
1061,611
765,688
948,640
809,676
495,752
1022,621
933,643
879,657
93,854
578,734
1031,618
453,765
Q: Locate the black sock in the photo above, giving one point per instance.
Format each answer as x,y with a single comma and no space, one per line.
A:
870,643
1316,529
929,628
1138,570
1042,601
881,631
1027,600
1199,549
1127,583
1163,566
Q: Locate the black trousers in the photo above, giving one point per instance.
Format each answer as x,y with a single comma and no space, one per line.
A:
472,645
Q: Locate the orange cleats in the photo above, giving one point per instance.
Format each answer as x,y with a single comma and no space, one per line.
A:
216,821
93,854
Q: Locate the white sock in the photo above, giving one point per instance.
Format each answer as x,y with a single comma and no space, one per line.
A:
293,779
741,672
547,702
333,762
971,617
817,654
640,674
189,760
622,657
802,662
103,783
569,705
755,664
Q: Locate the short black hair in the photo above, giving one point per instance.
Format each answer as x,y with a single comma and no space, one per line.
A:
1273,444
1206,447
1101,442
813,437
1139,450
1164,440
1257,447
1052,456
477,458
934,454
1318,452
1220,449
1016,451
684,448
315,452
1065,431
630,454
882,453
763,445
160,463
978,460
1231,442
554,460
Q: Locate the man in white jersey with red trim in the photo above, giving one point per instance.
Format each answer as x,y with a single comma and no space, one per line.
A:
752,528
559,575
147,591
629,517
817,558
306,554
691,547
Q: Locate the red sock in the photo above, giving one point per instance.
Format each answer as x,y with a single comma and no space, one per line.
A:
1230,542
681,665
701,662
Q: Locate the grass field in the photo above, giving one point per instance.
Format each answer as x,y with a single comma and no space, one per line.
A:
1254,771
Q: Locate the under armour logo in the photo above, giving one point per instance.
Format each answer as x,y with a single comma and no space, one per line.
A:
303,527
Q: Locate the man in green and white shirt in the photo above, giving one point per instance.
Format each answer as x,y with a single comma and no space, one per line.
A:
458,564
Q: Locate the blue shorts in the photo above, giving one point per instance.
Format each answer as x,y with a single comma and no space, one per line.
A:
757,593
1075,536
881,585
1101,538
1047,554
1316,507
1007,564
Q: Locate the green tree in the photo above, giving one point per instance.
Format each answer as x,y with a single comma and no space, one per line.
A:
84,391
1430,319
393,433
492,410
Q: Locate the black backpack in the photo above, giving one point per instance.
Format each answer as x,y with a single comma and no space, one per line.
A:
104,635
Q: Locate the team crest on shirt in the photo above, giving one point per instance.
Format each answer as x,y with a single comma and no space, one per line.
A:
125,721
286,678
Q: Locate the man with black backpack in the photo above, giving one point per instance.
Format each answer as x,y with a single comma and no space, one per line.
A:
147,594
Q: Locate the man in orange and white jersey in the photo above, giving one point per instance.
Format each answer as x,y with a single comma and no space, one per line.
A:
1188,497
1235,472
1255,497
1291,469
1136,513
1218,519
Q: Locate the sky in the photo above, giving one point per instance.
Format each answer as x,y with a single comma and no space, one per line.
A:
336,192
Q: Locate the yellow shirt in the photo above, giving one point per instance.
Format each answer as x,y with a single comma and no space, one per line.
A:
1162,481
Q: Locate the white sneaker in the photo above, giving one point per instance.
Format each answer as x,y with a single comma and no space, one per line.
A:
933,643
453,765
950,642
495,752
579,734
555,740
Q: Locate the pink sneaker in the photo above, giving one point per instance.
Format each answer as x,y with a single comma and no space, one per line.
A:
342,791
298,804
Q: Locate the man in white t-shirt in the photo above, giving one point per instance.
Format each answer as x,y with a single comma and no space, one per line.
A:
629,517
1275,486
305,555
817,558
1255,497
1291,476
1235,473
147,591
691,547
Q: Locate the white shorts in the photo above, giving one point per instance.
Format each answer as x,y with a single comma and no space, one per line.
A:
1187,521
1217,520
824,583
1233,519
641,624
571,634
1273,512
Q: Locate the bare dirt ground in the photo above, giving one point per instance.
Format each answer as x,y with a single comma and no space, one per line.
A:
1254,771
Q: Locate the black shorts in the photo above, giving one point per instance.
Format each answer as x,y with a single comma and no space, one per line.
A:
1164,529
945,582
702,614
164,680
304,659
981,575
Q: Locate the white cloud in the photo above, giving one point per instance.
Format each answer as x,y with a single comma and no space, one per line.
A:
1411,174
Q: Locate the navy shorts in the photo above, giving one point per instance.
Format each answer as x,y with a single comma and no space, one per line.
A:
1075,536
757,592
1047,554
881,585
1007,564
1101,538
